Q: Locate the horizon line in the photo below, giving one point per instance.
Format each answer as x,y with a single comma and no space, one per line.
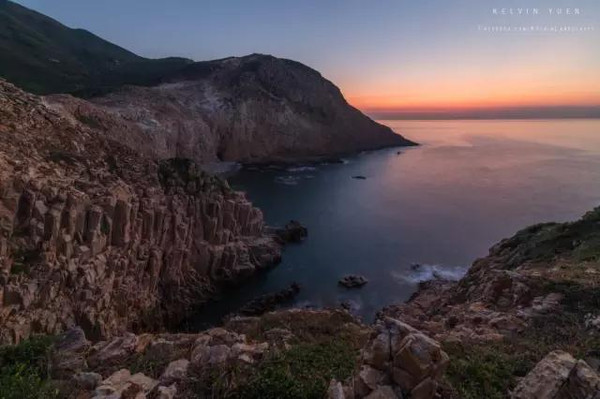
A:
517,112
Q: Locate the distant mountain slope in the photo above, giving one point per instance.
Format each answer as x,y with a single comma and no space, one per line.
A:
256,108
43,56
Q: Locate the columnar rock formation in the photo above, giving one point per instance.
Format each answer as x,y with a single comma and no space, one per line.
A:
96,235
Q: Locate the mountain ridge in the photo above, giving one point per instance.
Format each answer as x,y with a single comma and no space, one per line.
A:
43,56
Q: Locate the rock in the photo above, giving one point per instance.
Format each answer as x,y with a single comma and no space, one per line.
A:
68,353
146,383
115,234
167,392
383,392
583,382
399,358
377,352
335,390
121,384
359,177
175,371
210,355
116,383
293,231
353,281
425,390
114,351
268,302
87,380
250,111
546,378
367,380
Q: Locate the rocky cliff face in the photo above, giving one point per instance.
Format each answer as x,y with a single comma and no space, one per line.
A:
91,233
534,298
250,109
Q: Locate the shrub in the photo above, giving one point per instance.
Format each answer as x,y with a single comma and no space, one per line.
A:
302,372
24,370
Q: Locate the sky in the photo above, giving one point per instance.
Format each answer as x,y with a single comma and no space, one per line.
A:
387,56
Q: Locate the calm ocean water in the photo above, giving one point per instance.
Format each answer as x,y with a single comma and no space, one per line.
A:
442,205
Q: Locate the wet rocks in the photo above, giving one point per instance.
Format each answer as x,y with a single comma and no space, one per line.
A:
353,281
292,232
269,302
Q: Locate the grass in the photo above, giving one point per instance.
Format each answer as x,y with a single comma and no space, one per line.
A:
579,241
484,371
24,370
302,372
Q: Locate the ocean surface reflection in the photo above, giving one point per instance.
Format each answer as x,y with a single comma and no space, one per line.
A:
440,205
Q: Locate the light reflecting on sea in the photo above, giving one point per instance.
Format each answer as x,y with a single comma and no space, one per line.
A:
440,205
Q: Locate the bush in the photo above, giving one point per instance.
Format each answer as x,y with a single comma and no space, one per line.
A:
24,370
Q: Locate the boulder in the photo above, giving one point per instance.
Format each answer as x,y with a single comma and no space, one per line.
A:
293,231
87,380
353,281
583,382
546,378
166,392
383,392
269,302
68,353
115,351
175,371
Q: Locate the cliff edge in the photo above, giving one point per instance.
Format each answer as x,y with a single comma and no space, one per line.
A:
93,234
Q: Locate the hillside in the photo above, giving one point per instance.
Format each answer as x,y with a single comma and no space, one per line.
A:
253,109
43,56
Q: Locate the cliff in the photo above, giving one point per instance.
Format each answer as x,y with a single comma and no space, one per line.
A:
523,314
252,109
96,235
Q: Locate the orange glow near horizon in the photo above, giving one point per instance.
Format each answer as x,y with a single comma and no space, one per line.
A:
558,72
461,96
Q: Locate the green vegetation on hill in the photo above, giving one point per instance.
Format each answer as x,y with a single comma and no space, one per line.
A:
43,56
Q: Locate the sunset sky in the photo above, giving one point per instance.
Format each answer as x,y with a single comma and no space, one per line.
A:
392,55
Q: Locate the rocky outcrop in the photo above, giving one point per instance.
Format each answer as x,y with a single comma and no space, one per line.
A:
524,278
559,376
397,362
535,293
144,365
93,234
353,281
197,364
253,109
293,231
